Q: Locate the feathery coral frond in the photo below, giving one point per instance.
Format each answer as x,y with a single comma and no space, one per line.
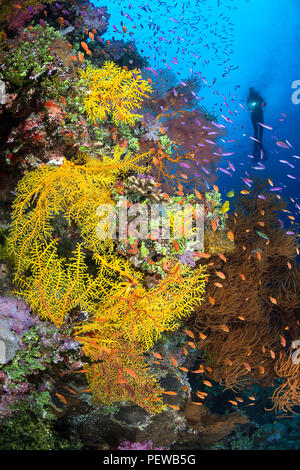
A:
114,90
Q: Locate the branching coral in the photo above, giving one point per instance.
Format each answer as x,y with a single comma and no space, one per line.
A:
75,191
252,311
123,313
287,395
142,315
112,89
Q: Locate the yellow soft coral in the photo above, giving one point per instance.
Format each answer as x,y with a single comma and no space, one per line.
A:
125,318
114,90
143,315
73,191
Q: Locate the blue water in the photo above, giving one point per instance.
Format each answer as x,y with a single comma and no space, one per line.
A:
229,45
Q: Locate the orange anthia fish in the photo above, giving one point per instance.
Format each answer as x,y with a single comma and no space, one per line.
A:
196,403
273,300
175,407
203,255
71,391
214,225
247,366
91,35
62,398
159,356
199,195
198,371
228,362
183,368
230,235
233,402
220,274
224,328
202,336
272,354
192,345
81,57
211,300
207,382
243,277
239,399
218,284
261,369
222,257
170,392
176,246
241,318
131,373
174,362
283,341
84,46
289,265
190,333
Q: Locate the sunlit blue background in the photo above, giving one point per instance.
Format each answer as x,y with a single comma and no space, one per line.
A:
237,44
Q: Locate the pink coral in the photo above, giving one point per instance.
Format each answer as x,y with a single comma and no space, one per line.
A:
17,313
146,445
20,18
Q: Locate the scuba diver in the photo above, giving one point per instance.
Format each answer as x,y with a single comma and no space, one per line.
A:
256,105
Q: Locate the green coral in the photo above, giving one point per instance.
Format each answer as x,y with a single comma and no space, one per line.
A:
32,54
32,427
166,143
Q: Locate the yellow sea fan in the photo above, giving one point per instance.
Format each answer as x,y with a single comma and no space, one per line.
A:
116,91
122,374
143,315
73,191
217,242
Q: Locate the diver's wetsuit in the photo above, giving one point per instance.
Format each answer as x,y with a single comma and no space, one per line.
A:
256,104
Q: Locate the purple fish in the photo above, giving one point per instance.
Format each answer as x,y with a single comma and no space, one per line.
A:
280,222
265,126
287,163
225,171
205,170
185,165
282,144
231,165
